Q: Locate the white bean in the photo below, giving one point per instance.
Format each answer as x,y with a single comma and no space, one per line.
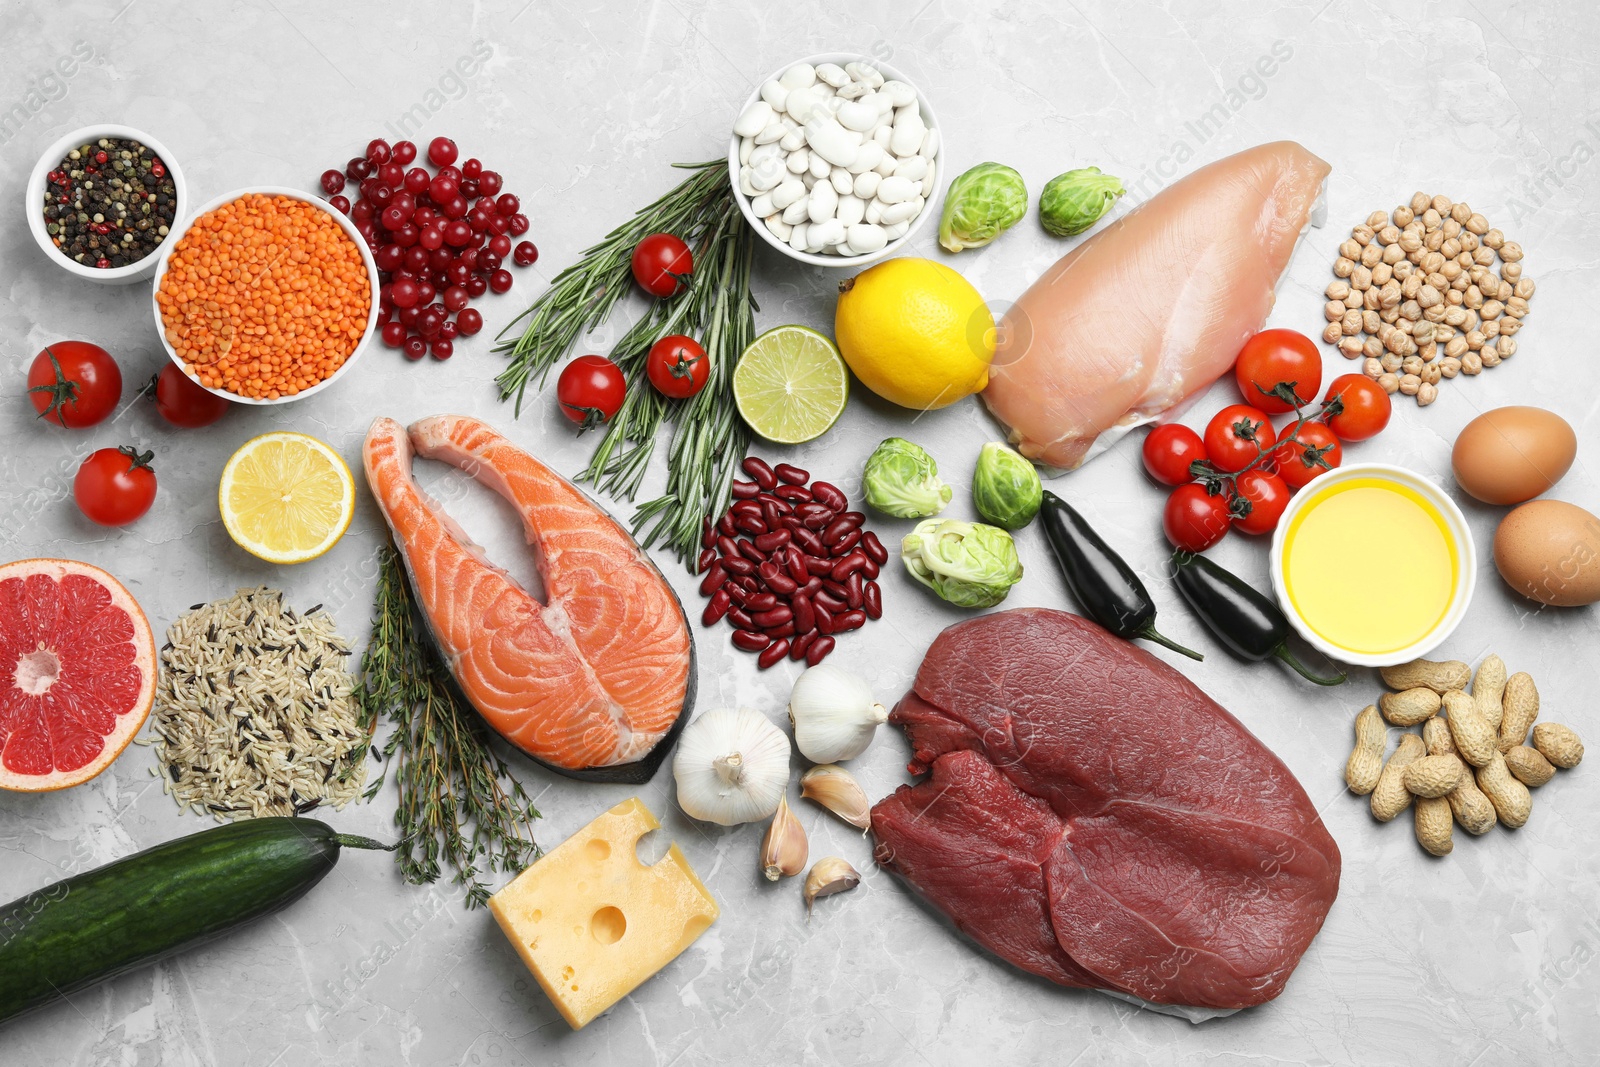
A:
925,188
851,210
897,231
763,152
864,238
874,213
808,179
909,132
832,104
778,227
799,76
774,93
791,190
831,74
843,183
827,233
765,176
858,115
930,181
746,185
930,145
854,90
882,135
866,185
913,169
864,72
755,118
832,141
773,132
819,167
904,211
762,205
798,161
869,155
822,202
746,146
887,164
801,101
797,237
894,189
792,139
899,93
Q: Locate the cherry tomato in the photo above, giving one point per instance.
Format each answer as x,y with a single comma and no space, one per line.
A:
1233,434
661,263
1307,453
677,366
590,390
1365,407
1268,496
1194,519
1274,356
74,384
183,403
1168,451
115,485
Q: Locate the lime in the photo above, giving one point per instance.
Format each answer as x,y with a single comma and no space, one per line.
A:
791,384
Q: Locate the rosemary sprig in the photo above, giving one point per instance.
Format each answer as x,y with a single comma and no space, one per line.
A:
454,805
709,438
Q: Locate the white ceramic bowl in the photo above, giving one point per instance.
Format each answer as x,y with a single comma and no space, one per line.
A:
322,205
929,210
1459,532
37,183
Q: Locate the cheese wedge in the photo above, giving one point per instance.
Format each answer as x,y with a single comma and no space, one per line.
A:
592,922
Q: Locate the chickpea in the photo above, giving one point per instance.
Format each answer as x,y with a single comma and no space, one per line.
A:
1431,373
1410,241
1350,347
1516,307
1372,255
1494,238
1371,368
1388,235
1436,313
1490,356
1471,363
1455,348
1469,241
1371,300
1389,314
1491,308
1355,301
1475,340
1337,290
1393,254
1442,204
1403,215
1451,248
1389,382
1384,271
1332,332
1361,234
1377,219
1507,348
1523,288
1433,241
1422,332
1361,277
1411,365
1509,326
1390,362
1372,348
1476,224
1451,230
1420,202
1351,249
1350,324
1510,252
1460,212
1449,366
1427,393
1409,384
1511,272
1343,266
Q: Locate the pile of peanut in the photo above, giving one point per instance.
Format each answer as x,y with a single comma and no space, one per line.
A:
1417,298
1473,765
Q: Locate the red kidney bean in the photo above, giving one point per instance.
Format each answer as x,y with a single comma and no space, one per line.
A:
750,525
725,525
771,515
785,630
713,578
870,569
859,516
716,607
842,525
708,556
818,651
872,600
727,545
829,494
767,570
850,620
836,588
854,593
792,474
874,548
826,600
776,501
741,596
744,490
750,552
783,585
772,616
808,540
745,507
814,516
824,617
850,564
708,534
750,641
738,565
804,615
844,544
741,619
772,654
819,565
797,647
796,564
757,468
760,602
795,494
771,542
812,584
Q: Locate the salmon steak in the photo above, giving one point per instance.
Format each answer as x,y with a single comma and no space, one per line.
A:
593,680
1142,317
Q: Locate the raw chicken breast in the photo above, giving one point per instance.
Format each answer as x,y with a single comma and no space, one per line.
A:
1150,311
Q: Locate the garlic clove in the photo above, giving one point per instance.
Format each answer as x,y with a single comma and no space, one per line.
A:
833,714
835,789
784,851
829,876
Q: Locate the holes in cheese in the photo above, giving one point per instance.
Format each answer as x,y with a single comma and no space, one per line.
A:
608,925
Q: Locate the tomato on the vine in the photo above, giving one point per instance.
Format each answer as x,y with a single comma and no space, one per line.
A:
677,366
1168,451
74,384
662,264
1267,494
1194,519
115,485
184,403
1364,407
1233,434
590,390
1306,453
1274,356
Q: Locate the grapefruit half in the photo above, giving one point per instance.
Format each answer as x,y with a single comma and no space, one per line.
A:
77,673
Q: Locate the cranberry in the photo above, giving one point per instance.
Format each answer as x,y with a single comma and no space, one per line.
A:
455,297
362,211
332,182
472,168
368,231
458,233
416,347
500,245
357,169
425,294
428,323
519,225
469,188
378,152
469,321
394,217
489,183
469,259
508,205
453,173
442,349
432,237
526,254
404,152
441,151
501,281
404,200
385,313
340,203
477,287
424,214
407,235
407,317
417,259
479,223
389,257
488,262
458,273
499,223
455,207
442,189
448,331
417,180
392,174
394,334
405,293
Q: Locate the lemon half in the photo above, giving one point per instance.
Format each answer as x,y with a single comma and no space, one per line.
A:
286,497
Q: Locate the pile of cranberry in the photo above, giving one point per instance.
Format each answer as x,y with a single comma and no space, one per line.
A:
440,239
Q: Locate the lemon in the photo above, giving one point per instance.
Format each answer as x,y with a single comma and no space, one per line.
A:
286,497
915,332
791,384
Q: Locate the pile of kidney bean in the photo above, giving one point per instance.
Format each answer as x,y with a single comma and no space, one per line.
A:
789,566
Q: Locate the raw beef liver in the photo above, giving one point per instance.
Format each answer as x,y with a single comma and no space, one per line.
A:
1094,818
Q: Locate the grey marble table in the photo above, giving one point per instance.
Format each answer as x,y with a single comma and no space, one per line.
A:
1489,957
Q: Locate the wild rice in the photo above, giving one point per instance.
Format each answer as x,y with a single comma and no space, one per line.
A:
253,714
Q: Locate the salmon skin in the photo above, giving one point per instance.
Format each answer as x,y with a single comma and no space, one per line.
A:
596,681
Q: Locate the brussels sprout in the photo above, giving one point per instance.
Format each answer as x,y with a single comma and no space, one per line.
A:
980,204
1005,488
967,563
902,480
1074,201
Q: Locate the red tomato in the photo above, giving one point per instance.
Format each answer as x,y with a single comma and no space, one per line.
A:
1233,434
183,403
677,366
74,384
1364,407
1193,519
1268,496
1307,453
115,485
590,390
1274,356
1168,451
661,264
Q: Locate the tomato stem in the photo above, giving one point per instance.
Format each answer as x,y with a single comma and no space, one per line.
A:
137,459
62,391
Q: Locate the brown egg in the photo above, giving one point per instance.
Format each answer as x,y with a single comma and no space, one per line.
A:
1512,454
1549,550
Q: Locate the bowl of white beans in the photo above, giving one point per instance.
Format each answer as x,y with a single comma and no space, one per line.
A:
835,160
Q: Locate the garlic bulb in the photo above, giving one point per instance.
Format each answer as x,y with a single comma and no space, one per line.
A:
833,787
829,876
784,851
732,766
833,713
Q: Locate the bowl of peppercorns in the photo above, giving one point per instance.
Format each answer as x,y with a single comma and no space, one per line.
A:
103,201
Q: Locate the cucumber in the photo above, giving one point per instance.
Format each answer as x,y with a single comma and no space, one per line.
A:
119,917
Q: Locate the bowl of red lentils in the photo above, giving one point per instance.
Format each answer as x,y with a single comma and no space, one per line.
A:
104,201
267,296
